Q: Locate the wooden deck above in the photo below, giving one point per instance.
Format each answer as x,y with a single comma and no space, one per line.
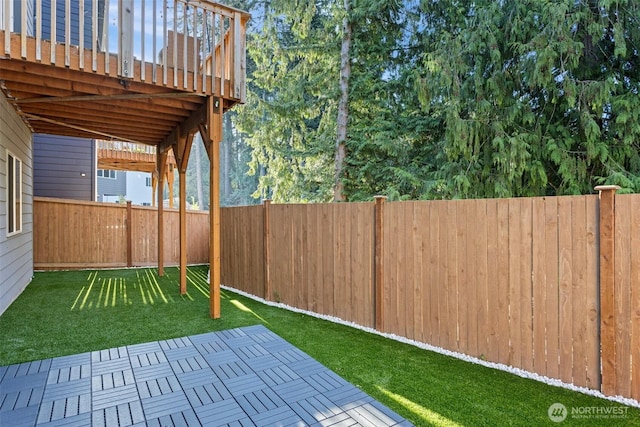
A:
142,89
118,155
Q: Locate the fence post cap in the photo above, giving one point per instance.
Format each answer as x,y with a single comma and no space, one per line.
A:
379,196
607,187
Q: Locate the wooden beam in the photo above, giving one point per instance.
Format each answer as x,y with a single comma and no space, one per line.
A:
103,134
91,98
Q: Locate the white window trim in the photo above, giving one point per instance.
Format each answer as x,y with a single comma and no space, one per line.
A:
17,189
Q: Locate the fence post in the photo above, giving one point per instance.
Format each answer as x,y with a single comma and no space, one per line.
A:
607,232
267,250
378,277
129,226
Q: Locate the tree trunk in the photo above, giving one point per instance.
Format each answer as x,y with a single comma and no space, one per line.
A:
343,105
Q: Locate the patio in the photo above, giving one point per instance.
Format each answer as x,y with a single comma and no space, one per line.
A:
239,377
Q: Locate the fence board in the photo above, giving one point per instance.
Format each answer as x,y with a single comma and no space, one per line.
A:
578,289
634,234
503,281
552,313
622,295
493,337
539,284
565,295
515,354
482,292
526,294
592,343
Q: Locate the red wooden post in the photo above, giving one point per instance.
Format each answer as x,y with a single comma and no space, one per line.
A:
607,289
267,250
379,262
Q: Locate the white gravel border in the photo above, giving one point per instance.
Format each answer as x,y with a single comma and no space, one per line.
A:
516,371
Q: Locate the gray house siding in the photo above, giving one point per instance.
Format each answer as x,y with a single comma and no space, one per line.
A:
112,188
16,251
64,167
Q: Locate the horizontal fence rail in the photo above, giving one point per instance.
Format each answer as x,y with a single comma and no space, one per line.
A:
194,45
515,281
69,234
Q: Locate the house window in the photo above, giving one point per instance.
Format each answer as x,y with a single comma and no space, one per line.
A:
148,182
14,194
106,173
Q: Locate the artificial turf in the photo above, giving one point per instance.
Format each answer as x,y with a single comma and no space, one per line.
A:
63,313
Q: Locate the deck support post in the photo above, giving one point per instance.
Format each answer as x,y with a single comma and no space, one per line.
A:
161,159
212,136
181,150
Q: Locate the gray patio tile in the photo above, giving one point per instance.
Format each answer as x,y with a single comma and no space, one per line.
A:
189,364
178,419
220,413
242,377
114,396
294,391
79,420
69,373
165,404
145,373
212,347
231,370
72,360
14,384
326,380
264,362
181,352
259,401
158,386
196,378
66,389
277,375
20,399
25,416
244,384
207,393
175,343
219,358
369,415
282,416
149,347
148,359
112,379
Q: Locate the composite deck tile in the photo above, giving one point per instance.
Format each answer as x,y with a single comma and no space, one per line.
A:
165,404
231,370
145,373
251,352
277,375
19,417
220,413
195,378
189,364
259,401
241,377
295,390
207,393
264,362
325,381
175,343
282,416
244,384
148,359
114,396
222,357
181,353
143,348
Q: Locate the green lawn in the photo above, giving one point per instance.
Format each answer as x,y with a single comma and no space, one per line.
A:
62,313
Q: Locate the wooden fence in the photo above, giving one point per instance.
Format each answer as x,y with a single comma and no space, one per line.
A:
73,234
550,285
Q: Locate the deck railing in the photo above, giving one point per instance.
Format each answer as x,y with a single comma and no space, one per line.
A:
185,44
124,150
